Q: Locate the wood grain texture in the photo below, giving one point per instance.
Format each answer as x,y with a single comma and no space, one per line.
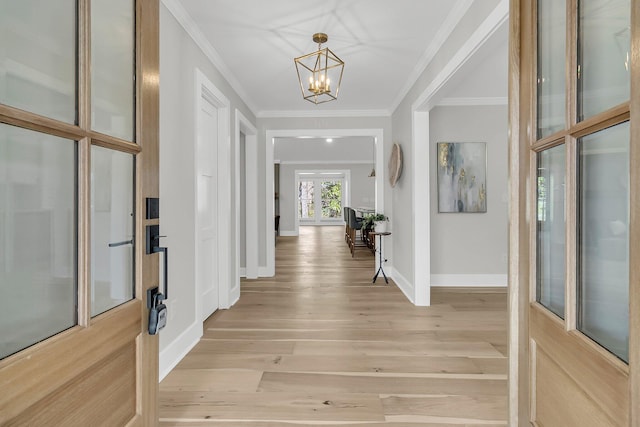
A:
519,86
634,225
319,344
148,185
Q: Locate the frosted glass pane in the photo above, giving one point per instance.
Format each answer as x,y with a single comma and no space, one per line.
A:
113,67
551,229
37,237
38,57
112,223
603,233
551,66
603,55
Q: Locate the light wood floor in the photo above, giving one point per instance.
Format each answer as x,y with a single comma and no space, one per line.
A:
318,344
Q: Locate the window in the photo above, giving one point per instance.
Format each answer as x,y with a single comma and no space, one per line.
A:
320,196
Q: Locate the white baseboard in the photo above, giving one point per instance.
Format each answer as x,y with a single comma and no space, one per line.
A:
405,286
234,296
265,272
288,233
469,280
178,349
243,272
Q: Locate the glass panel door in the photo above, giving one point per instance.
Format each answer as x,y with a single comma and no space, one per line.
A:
320,200
603,55
551,84
111,229
37,237
38,65
306,200
551,230
113,67
603,221
331,195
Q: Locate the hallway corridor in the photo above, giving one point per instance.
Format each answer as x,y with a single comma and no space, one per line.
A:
318,344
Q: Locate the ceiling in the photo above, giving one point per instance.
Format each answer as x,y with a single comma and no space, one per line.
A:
385,45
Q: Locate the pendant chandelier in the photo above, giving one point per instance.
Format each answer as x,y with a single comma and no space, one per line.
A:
319,73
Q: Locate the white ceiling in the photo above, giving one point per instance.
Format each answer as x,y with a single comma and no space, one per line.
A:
385,44
318,150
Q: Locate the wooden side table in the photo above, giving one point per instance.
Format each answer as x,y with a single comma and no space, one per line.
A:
382,260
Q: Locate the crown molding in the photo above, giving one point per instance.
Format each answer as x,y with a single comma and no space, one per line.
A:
189,25
478,101
450,23
498,17
325,162
276,114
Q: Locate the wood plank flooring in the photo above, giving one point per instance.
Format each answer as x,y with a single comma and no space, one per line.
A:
318,344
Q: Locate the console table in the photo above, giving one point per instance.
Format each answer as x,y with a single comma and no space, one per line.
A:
382,260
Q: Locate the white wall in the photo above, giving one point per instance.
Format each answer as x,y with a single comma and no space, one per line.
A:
179,58
362,189
423,96
292,123
467,248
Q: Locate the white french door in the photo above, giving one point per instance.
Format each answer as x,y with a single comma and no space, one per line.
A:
320,197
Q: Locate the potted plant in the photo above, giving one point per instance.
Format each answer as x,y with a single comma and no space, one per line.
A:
380,222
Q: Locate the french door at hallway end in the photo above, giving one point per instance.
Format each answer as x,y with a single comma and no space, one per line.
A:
321,197
574,117
78,156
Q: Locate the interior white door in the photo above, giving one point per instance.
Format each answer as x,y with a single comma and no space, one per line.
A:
207,208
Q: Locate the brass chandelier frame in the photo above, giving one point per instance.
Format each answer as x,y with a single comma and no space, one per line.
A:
319,65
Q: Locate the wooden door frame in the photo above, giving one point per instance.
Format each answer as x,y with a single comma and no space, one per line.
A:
34,374
521,125
147,177
518,266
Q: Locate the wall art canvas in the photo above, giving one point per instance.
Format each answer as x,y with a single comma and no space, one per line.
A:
462,177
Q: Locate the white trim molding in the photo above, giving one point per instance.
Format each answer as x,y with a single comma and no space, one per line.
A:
279,114
473,102
450,23
268,212
206,91
469,280
179,348
403,284
250,168
494,21
189,25
323,162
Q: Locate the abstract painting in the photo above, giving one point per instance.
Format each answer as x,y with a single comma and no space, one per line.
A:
462,177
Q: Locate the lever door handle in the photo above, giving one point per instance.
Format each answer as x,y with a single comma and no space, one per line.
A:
165,252
125,242
152,244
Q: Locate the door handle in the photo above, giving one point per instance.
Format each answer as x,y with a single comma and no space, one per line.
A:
157,310
165,256
125,242
153,246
